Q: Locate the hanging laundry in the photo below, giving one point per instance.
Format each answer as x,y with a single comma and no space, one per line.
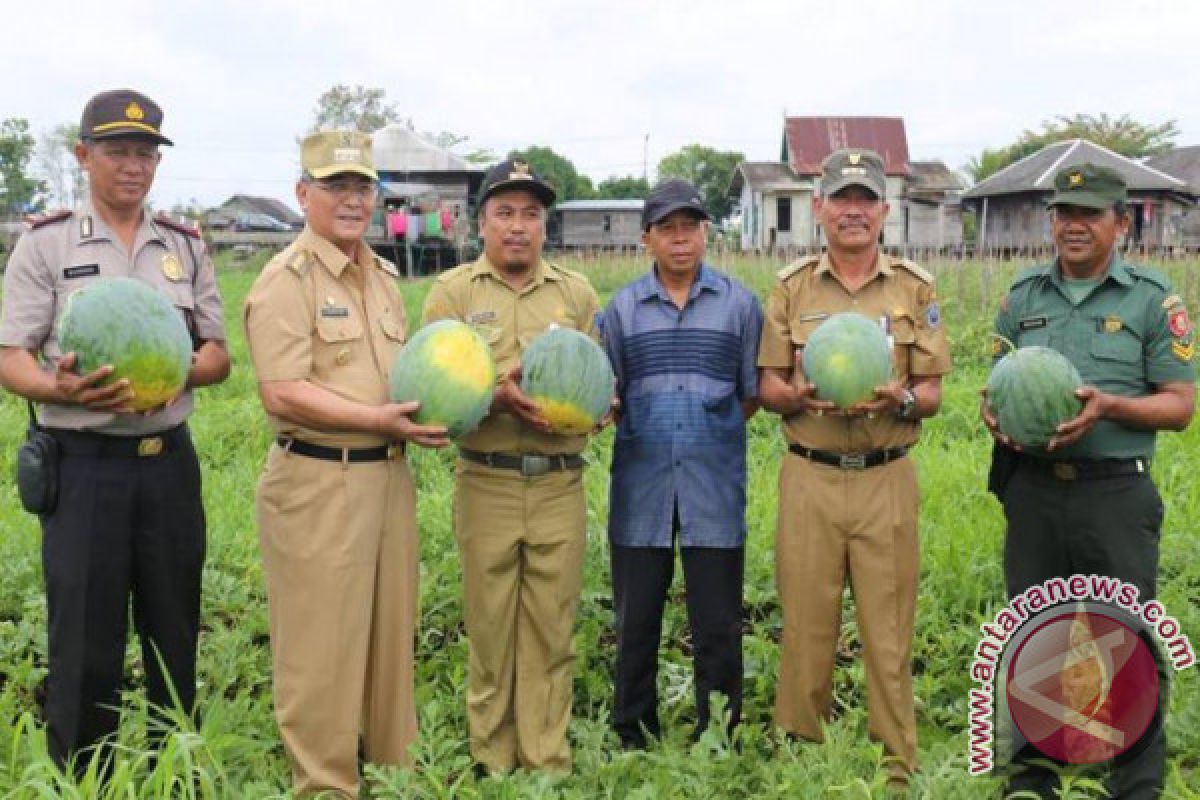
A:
397,223
433,224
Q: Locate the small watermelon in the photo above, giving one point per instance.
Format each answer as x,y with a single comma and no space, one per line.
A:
1032,391
447,367
569,377
846,357
126,323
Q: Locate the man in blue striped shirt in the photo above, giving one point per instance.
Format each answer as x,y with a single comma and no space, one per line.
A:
683,340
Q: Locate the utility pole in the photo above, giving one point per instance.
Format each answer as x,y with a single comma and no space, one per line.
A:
645,156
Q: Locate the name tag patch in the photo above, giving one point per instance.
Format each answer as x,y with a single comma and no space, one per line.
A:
481,317
335,311
81,271
1032,323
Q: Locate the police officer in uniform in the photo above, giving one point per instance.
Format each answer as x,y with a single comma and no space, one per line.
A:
336,504
1088,505
520,513
129,519
847,489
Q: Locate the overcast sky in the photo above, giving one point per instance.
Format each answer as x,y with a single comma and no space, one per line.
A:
238,81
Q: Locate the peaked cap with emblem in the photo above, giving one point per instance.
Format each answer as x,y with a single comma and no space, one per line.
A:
1088,186
122,112
514,173
327,153
853,167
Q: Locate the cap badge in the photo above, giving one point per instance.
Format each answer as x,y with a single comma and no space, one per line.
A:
134,111
520,171
1075,179
347,139
854,158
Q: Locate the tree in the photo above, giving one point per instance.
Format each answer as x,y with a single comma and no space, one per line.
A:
65,184
1122,134
626,187
18,191
556,170
360,108
709,170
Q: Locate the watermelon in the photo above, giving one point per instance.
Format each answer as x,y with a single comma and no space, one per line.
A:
446,367
569,377
846,357
126,323
1031,391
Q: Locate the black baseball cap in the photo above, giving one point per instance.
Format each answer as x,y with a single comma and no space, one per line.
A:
513,173
670,196
122,112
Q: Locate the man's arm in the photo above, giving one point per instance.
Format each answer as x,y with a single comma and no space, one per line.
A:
312,406
1169,408
21,374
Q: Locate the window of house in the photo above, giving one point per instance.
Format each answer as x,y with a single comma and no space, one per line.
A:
783,214
608,223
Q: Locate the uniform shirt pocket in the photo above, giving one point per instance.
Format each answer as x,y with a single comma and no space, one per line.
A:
1119,360
338,344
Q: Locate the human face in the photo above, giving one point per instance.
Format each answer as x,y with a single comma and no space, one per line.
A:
1085,238
677,243
513,226
338,208
852,219
120,170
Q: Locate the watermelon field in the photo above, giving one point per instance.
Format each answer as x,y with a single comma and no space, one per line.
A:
235,751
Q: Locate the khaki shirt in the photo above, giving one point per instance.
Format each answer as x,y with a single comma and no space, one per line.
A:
63,254
315,315
509,320
807,293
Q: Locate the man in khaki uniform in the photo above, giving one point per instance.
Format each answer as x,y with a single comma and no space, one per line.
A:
520,513
847,491
128,522
336,505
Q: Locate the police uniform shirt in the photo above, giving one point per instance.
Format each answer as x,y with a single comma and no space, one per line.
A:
509,320
68,251
315,315
901,296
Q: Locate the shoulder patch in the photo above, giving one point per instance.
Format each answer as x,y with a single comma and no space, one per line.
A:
300,263
913,267
167,221
35,221
794,267
387,266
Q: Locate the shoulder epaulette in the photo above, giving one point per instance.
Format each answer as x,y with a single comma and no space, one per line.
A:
299,262
1150,276
387,266
454,272
569,273
793,268
1028,274
914,268
35,221
167,221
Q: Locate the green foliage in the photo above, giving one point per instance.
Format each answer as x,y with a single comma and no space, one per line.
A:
18,191
709,170
359,108
627,187
558,171
1122,134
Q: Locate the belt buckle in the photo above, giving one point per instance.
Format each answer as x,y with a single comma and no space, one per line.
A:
852,461
1064,471
150,446
533,466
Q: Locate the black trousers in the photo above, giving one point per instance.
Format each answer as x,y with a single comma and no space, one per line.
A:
641,577
124,526
1106,526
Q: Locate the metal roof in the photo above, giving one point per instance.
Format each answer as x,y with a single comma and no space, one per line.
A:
768,175
1182,163
396,148
621,204
808,140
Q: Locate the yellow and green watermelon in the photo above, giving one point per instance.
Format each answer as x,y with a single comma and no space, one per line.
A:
846,357
126,323
569,377
447,367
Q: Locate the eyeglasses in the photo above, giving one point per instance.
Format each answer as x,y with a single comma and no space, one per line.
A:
344,189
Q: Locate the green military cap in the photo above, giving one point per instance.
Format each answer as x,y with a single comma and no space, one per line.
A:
1088,186
853,167
332,152
122,112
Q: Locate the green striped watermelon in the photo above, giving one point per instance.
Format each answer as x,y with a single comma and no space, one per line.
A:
447,367
126,323
1031,391
569,377
846,357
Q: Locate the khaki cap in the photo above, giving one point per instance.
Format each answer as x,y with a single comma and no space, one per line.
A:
332,152
853,167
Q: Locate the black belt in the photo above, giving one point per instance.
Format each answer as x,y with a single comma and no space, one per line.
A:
1086,469
103,445
528,464
352,455
874,458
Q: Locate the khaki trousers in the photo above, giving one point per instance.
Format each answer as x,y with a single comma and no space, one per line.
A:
339,547
522,543
861,524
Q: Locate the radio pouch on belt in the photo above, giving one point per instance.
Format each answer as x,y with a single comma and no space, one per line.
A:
37,468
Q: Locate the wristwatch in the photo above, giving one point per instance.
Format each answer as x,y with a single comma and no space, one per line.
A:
907,405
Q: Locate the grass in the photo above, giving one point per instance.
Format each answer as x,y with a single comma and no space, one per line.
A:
235,751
